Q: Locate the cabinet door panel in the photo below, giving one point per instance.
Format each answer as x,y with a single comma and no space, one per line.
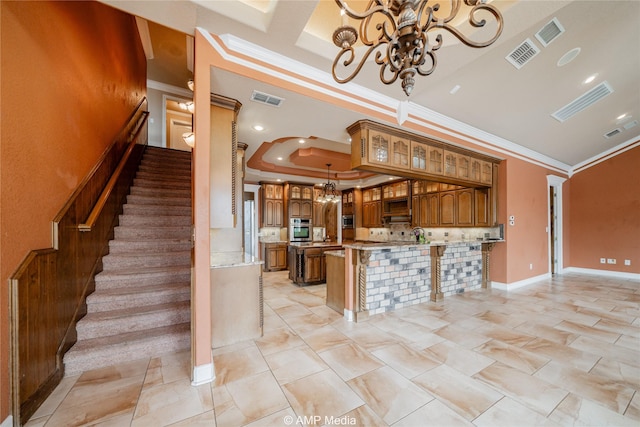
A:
424,211
464,207
448,208
269,212
436,160
295,209
306,210
481,208
434,210
379,148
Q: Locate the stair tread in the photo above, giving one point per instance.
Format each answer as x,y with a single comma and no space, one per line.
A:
145,271
138,290
133,312
129,337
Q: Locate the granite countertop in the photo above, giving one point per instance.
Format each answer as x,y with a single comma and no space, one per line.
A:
338,253
396,244
315,244
233,259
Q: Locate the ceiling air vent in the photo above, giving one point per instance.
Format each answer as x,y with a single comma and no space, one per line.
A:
582,102
612,133
550,32
265,98
523,54
629,125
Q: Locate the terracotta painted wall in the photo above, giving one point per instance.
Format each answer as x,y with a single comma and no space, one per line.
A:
72,73
605,214
525,196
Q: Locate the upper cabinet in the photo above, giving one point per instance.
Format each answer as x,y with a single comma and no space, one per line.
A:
383,149
272,205
301,201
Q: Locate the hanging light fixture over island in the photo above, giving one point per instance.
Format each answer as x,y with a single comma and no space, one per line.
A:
401,39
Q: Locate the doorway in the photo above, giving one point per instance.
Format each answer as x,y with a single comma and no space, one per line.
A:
554,226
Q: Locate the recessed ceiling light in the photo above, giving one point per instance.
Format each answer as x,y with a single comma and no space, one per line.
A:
279,158
258,128
455,89
301,141
621,116
591,78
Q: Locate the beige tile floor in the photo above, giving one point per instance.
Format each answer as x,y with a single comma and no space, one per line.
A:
557,353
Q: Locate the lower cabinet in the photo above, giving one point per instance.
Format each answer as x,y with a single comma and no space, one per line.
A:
314,265
275,256
307,264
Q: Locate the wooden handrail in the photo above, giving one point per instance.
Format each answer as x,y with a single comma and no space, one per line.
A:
104,196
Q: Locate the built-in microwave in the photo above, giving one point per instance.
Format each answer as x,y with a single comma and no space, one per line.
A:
300,230
347,221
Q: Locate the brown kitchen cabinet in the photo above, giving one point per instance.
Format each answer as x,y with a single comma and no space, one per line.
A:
300,201
482,207
275,256
307,264
272,205
372,207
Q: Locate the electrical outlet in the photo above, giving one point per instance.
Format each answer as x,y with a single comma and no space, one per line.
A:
627,262
603,260
611,260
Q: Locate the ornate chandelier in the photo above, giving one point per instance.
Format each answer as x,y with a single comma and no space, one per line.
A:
329,193
401,40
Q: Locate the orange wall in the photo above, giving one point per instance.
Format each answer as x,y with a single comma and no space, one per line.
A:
71,74
605,214
523,192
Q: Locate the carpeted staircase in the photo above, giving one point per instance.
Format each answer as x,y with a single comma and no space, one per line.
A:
141,304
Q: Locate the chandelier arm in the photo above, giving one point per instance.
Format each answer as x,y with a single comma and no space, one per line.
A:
477,23
434,63
395,72
387,28
348,62
429,15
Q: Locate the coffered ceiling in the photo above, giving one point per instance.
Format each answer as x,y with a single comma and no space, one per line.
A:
494,102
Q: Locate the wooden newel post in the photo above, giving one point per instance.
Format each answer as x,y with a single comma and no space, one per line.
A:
436,276
486,258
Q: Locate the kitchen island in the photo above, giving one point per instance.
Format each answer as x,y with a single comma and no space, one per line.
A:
307,265
387,276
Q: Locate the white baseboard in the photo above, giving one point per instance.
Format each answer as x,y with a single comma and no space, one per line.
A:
203,374
520,283
608,273
8,422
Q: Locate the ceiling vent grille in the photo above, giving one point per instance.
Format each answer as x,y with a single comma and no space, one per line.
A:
582,102
549,32
523,54
612,133
265,98
629,125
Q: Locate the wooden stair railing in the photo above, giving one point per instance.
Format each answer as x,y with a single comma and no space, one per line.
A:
113,181
49,288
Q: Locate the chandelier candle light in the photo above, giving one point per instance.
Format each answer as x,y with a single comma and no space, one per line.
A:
329,193
401,39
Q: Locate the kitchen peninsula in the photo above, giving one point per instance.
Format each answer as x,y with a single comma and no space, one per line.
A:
392,275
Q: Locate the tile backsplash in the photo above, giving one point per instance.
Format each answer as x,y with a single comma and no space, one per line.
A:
272,234
398,232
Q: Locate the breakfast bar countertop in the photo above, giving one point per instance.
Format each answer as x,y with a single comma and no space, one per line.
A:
396,244
232,259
